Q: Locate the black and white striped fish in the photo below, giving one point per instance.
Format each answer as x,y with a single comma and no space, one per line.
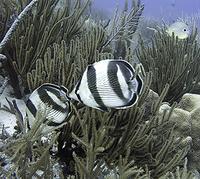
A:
108,84
51,98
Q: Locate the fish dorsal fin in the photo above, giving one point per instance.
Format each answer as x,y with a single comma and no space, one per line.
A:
50,85
55,89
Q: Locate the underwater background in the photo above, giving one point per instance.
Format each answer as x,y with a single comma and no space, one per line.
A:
47,47
157,9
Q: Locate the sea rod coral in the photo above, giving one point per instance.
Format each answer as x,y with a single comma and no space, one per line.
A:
54,46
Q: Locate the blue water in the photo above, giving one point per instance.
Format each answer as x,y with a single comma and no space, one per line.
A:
157,9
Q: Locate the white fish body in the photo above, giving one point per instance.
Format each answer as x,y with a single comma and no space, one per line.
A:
103,85
180,29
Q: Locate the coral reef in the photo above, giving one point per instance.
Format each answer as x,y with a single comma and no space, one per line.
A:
35,34
172,61
190,103
183,173
71,59
187,117
7,10
92,136
55,45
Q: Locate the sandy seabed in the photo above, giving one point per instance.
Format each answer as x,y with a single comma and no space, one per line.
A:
7,119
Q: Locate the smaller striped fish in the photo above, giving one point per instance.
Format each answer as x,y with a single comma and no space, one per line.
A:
51,98
108,84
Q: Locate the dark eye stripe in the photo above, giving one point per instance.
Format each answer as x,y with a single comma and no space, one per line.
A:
76,91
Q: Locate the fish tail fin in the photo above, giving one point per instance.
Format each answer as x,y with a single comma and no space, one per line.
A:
132,85
136,85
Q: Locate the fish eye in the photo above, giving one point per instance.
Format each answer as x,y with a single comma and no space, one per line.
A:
184,30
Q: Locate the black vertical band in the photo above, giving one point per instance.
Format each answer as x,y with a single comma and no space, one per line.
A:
31,107
91,80
114,81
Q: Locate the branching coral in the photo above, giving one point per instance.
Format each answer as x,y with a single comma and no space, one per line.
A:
64,65
4,61
46,26
108,136
56,47
7,11
180,173
172,61
43,27
83,49
28,154
122,28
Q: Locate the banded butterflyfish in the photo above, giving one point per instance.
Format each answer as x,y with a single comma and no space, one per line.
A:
51,98
107,84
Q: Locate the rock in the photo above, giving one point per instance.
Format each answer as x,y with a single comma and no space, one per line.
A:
189,102
182,119
187,118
